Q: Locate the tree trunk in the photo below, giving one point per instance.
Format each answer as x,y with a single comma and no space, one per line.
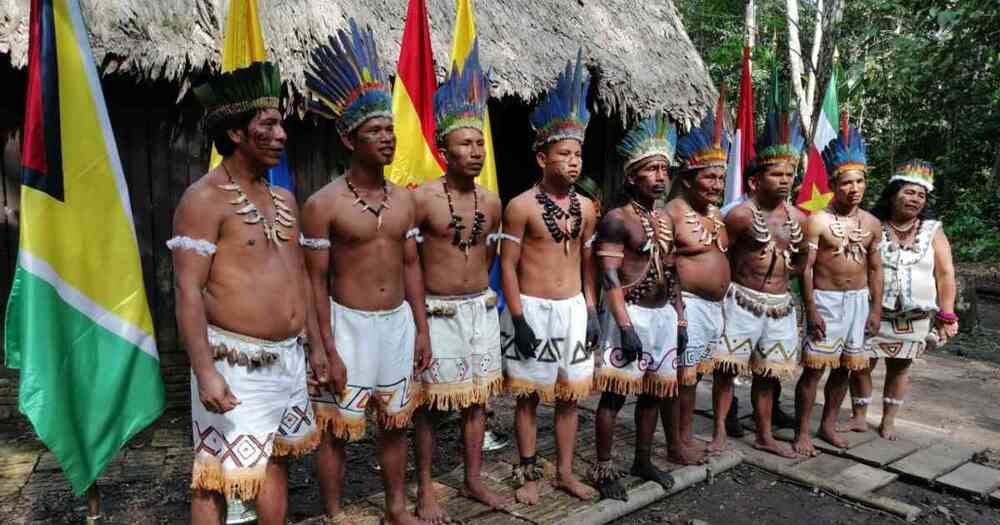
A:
814,56
795,61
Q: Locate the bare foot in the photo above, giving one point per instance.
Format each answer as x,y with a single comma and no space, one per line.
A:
402,518
831,437
855,424
686,456
650,472
478,491
428,508
771,445
694,444
887,429
574,487
803,444
528,493
717,445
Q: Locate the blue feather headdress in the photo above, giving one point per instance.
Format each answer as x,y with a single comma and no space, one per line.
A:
652,136
846,152
916,172
706,145
782,140
460,101
563,113
346,80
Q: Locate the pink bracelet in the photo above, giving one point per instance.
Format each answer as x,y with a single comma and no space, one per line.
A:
947,317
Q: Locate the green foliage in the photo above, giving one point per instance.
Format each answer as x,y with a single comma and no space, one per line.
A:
921,79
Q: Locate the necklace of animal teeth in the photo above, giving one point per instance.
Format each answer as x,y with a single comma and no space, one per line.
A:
283,217
851,237
706,237
762,234
358,201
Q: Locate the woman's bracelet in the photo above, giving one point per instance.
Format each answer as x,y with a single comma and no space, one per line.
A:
947,317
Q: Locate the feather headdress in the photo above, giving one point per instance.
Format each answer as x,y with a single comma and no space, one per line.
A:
652,136
706,145
346,80
846,152
460,101
916,172
782,140
244,90
563,113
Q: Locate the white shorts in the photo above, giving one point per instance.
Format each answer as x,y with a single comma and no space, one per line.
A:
902,335
377,350
274,417
706,324
845,313
755,341
563,367
654,373
465,342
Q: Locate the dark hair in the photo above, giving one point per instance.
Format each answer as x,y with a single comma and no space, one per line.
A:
883,206
219,132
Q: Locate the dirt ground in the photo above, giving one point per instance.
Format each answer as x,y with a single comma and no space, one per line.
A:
748,496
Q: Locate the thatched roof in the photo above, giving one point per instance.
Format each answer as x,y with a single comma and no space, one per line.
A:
643,57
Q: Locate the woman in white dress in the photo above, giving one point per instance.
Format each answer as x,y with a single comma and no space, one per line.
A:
918,301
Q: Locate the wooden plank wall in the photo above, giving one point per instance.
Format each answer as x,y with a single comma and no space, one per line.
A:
162,151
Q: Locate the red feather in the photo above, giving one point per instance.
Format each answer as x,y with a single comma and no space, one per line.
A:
720,114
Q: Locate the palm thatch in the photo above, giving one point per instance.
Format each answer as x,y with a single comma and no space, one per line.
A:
642,56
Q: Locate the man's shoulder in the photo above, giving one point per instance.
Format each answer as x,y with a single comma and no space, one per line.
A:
324,196
203,191
869,219
739,212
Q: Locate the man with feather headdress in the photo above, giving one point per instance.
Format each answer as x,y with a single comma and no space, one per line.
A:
365,272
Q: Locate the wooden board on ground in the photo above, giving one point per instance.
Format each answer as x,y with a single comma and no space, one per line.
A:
880,453
853,439
972,478
846,476
933,461
761,458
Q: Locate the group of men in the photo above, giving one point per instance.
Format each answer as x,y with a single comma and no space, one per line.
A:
374,300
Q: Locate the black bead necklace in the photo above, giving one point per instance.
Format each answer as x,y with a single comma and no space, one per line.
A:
551,212
478,220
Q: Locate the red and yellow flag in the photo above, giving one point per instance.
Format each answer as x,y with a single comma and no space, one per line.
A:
417,158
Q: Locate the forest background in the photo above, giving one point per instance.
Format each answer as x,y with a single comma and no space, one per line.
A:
919,78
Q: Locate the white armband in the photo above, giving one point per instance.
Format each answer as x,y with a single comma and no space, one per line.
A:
414,233
493,238
199,246
590,242
510,238
314,244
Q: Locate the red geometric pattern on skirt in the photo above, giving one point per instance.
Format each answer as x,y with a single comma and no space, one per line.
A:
293,420
245,450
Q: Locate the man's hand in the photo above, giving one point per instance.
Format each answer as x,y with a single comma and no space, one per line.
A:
524,337
319,373
593,328
815,325
631,345
873,322
214,393
336,370
421,353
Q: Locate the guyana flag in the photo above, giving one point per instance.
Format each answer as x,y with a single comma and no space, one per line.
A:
417,158
78,324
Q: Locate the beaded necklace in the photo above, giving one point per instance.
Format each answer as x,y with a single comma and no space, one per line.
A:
283,217
478,220
551,212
